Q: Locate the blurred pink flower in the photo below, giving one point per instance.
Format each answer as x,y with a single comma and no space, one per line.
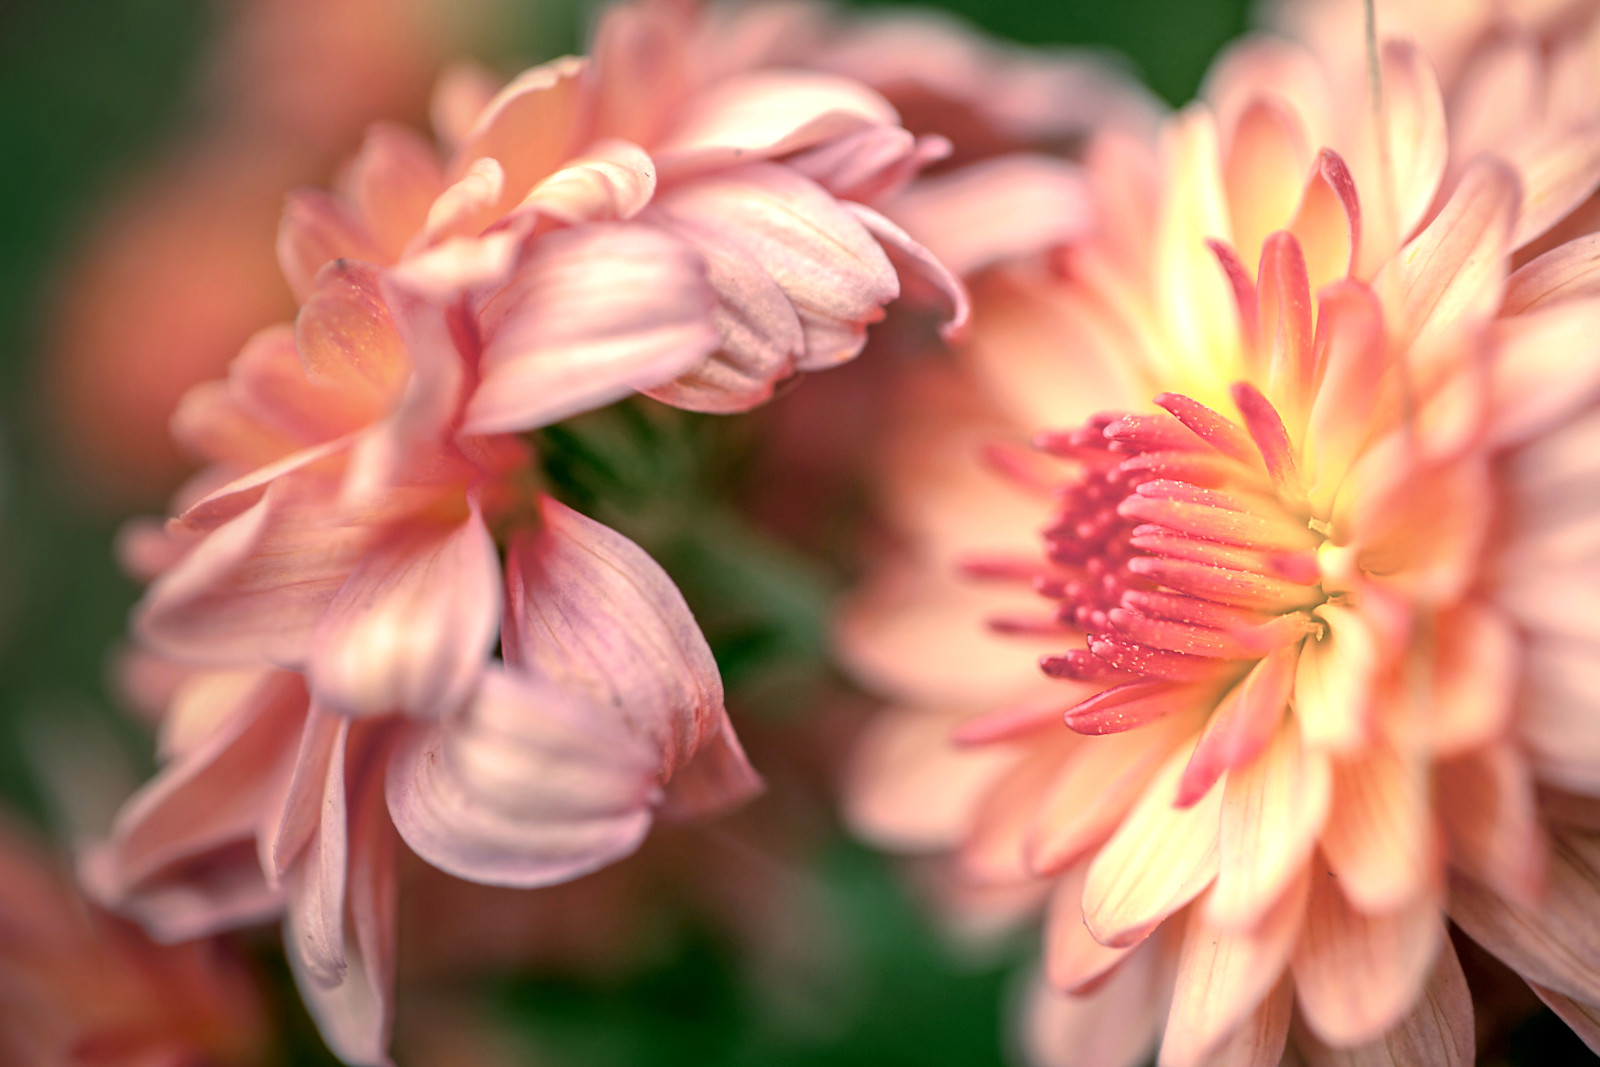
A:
1316,679
77,986
178,271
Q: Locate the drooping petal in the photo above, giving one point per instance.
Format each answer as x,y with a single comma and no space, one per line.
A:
1379,837
923,279
594,314
314,935
593,611
531,784
412,626
256,588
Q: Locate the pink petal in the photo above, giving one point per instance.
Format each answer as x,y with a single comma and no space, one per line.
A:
1379,839
1438,1032
1333,681
1358,975
1116,1026
1225,975
1272,810
1352,356
1243,724
212,795
1284,303
1559,172
613,181
592,315
286,831
1582,1016
995,850
1074,961
528,128
643,54
999,209
256,588
909,788
466,207
1490,816
393,182
1160,858
869,164
717,779
462,93
1476,664
1328,222
1554,942
1546,367
356,1014
829,266
314,933
219,890
317,230
1570,270
762,114
349,343
1260,1040
1417,139
1452,275
589,609
412,627
1264,170
923,279
532,784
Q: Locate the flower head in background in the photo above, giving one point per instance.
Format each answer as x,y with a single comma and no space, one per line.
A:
82,987
371,527
1306,449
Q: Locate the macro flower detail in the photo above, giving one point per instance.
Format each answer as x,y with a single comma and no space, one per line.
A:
1280,501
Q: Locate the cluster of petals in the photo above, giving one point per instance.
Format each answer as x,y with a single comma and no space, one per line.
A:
83,987
1302,547
329,597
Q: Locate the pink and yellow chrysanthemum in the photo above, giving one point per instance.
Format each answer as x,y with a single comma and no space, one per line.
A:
1310,471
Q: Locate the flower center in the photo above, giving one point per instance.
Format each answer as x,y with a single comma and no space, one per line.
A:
1183,549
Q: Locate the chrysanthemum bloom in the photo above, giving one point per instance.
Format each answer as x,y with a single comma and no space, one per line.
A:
77,986
1310,470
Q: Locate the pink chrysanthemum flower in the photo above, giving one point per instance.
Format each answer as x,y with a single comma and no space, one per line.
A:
1309,467
370,527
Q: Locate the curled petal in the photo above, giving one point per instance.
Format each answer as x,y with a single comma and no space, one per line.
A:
591,610
411,628
594,314
528,128
923,279
531,784
614,181
1567,271
769,113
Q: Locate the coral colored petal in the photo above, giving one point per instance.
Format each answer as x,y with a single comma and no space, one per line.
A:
1379,836
316,230
871,164
348,340
393,181
1160,858
528,128
1334,679
996,210
1418,142
589,609
1351,356
1225,975
1476,666
995,850
762,114
1558,173
1285,332
287,831
1272,810
466,207
1260,1040
412,626
1328,222
1438,1032
1357,975
1243,724
1264,168
595,313
532,784
909,788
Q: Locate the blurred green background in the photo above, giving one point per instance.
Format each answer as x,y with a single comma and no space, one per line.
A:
90,92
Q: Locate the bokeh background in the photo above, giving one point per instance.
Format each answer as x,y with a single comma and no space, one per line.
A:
146,145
